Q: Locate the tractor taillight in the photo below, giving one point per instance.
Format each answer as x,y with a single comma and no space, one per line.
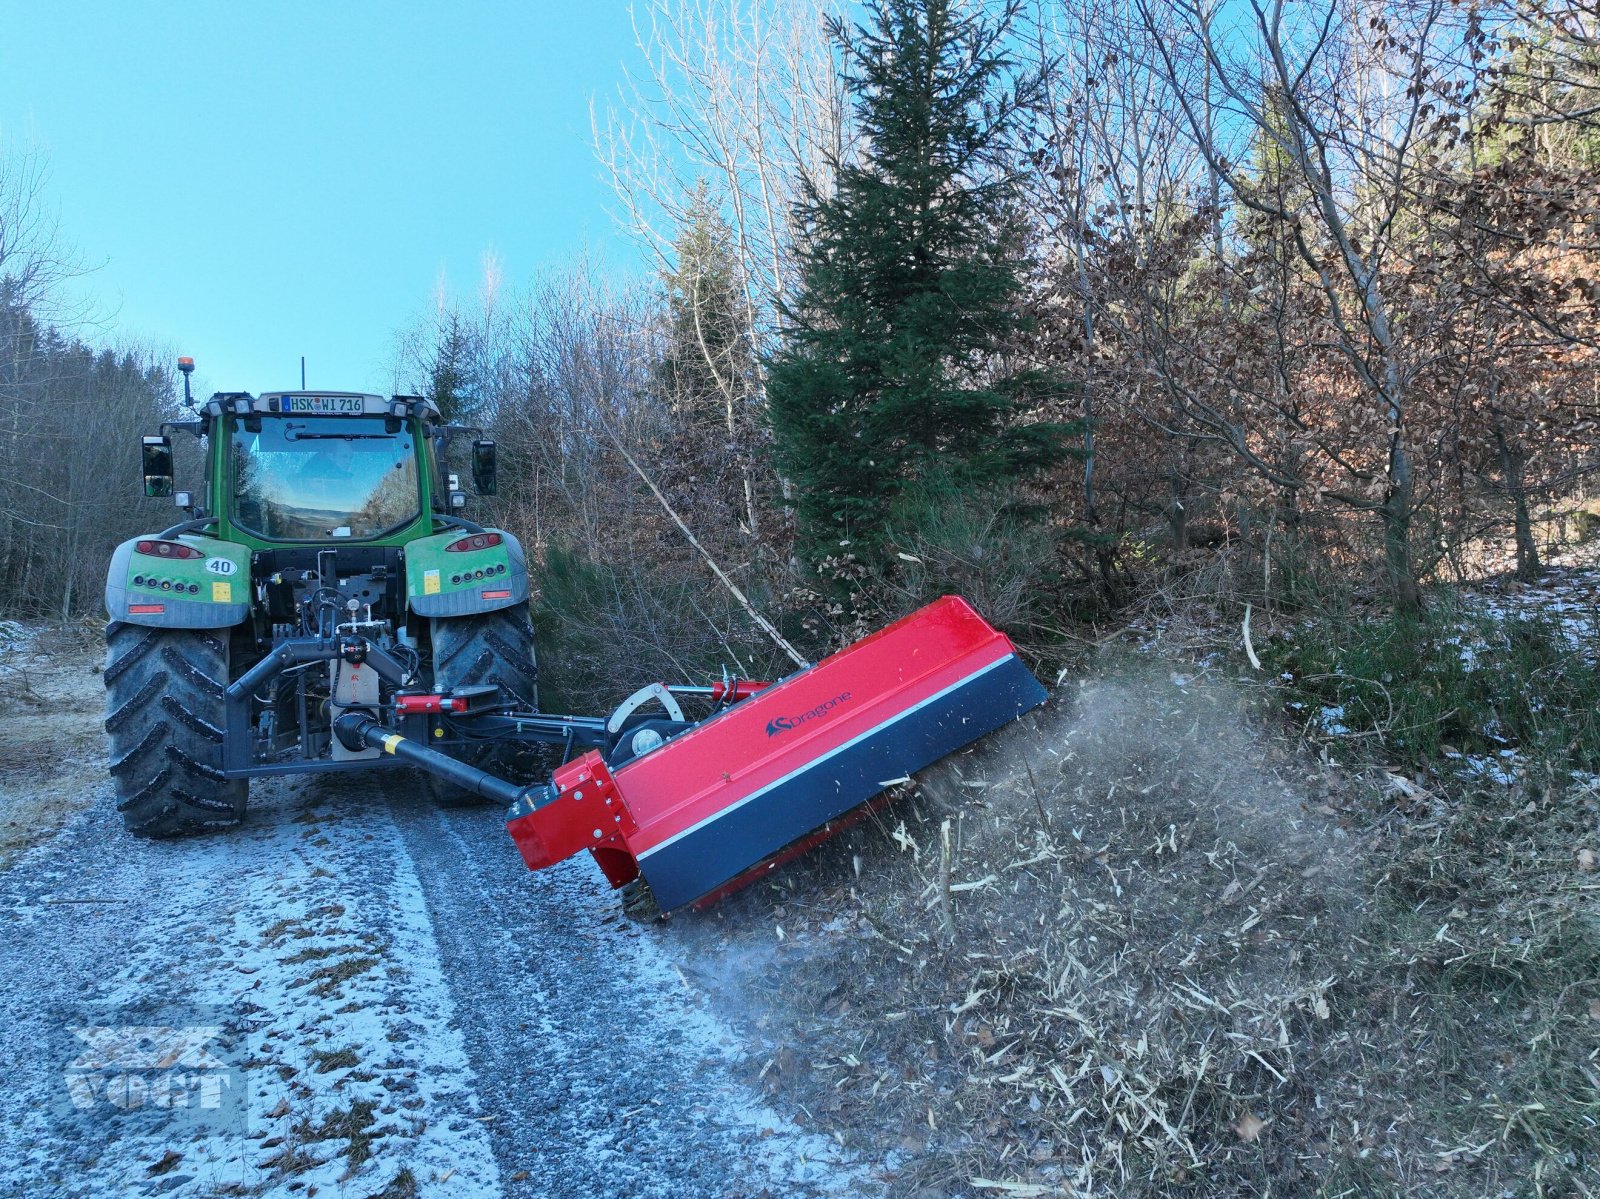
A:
478,541
168,549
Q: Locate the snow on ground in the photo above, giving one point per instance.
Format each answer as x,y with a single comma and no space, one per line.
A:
582,1026
1567,596
355,995
314,963
14,640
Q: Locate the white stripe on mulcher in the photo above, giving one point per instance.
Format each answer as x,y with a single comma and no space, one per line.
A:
832,753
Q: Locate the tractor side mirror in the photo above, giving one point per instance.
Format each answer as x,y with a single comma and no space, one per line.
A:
157,455
483,467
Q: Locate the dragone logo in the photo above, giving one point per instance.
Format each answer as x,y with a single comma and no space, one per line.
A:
782,724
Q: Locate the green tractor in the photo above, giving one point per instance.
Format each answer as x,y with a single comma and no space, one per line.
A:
322,569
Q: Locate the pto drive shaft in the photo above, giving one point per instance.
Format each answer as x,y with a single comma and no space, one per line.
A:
359,730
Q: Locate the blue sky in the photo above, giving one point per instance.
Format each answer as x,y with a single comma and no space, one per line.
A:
265,180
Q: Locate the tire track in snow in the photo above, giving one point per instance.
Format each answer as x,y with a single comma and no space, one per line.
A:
383,968
603,1076
304,937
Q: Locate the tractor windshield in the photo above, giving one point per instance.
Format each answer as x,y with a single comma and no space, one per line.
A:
323,476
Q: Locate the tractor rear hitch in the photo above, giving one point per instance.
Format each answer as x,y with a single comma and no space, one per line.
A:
238,751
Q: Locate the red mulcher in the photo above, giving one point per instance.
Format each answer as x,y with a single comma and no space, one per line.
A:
693,808
710,803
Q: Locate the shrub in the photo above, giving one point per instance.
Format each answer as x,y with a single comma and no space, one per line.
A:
1452,677
978,544
605,628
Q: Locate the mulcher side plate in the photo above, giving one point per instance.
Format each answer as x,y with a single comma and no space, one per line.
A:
716,800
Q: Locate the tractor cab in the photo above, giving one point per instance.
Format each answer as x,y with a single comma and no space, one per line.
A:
310,467
299,467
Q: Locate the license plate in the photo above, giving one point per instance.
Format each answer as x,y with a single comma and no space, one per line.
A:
338,405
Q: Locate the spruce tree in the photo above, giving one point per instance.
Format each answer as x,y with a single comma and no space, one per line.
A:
708,369
708,378
452,371
892,369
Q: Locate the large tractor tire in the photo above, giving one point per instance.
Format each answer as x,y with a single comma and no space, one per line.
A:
495,647
164,717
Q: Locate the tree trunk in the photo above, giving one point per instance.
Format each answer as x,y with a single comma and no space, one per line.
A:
1178,525
1177,511
1396,513
1528,564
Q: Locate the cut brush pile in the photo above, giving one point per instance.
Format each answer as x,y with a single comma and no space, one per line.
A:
1140,946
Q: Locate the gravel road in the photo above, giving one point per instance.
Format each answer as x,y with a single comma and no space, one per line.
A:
358,994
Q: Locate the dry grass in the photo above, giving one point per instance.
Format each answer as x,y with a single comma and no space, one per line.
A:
1141,945
326,981
356,1125
402,1186
52,745
336,1059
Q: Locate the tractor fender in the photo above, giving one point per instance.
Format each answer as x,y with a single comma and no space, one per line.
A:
211,591
441,581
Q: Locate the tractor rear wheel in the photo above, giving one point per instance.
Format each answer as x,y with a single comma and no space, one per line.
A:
497,648
164,718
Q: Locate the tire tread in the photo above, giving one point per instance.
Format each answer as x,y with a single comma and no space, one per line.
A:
164,722
494,647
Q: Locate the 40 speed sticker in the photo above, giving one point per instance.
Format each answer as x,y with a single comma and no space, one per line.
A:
221,566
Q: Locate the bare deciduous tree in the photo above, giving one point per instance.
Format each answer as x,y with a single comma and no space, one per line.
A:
736,104
1340,94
